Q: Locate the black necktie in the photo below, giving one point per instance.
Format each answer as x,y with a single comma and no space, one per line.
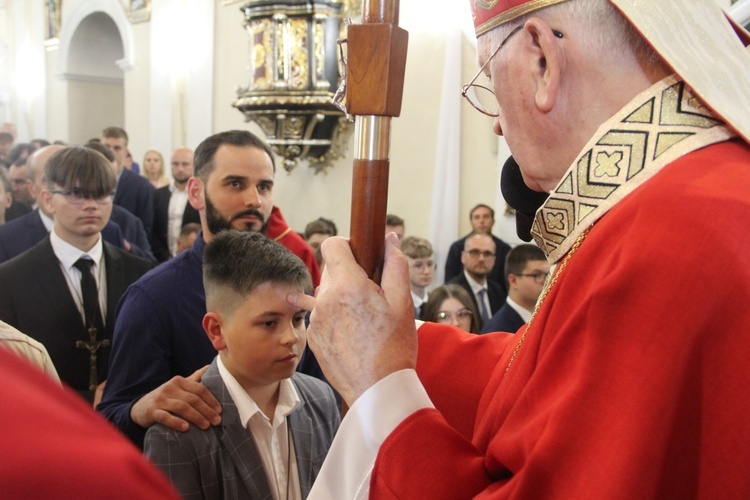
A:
90,295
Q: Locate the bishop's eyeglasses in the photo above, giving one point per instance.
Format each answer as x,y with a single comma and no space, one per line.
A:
482,98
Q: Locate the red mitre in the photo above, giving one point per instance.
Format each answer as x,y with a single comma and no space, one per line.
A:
490,14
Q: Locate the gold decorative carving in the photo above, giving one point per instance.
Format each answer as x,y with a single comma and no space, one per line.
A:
293,77
298,62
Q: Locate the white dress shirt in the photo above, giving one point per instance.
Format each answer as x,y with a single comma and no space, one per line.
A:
271,435
67,255
177,203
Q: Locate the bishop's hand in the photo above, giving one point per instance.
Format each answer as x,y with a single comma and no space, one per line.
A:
360,332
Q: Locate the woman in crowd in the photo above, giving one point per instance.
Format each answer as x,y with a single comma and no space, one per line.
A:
153,169
452,304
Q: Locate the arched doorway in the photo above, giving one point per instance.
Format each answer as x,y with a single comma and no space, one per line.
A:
96,48
95,82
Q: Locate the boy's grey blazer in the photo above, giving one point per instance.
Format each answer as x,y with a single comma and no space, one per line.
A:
223,461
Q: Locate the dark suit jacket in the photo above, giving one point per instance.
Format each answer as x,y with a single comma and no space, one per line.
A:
504,320
453,266
15,210
223,461
136,195
161,222
495,292
133,231
40,305
22,233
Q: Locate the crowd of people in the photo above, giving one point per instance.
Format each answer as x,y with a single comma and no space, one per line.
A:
606,359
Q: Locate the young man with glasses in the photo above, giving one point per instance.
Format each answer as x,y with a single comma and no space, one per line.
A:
418,252
482,218
478,259
526,269
63,292
631,380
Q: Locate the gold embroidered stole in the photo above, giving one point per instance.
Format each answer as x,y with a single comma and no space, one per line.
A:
660,125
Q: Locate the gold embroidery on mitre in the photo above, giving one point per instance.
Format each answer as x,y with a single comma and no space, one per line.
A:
660,125
513,13
485,4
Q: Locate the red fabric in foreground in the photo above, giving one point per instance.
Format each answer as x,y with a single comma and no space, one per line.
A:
55,446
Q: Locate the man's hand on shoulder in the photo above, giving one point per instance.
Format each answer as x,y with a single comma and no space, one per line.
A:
177,403
360,332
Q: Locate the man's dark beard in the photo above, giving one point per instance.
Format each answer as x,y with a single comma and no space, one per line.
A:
216,223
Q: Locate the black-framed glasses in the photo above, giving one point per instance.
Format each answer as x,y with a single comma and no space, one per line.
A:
483,98
538,277
476,253
77,196
459,315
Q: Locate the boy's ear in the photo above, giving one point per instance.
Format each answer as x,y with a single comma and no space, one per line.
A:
212,325
512,280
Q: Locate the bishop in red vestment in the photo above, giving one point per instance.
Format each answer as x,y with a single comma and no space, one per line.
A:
630,380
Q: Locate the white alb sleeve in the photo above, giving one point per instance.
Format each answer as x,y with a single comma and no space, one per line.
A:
347,469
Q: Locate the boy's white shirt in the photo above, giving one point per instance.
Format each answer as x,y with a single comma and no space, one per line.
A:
271,434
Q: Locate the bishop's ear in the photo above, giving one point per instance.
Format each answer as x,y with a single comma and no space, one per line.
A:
549,64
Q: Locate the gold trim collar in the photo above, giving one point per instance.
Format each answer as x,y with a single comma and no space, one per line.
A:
661,124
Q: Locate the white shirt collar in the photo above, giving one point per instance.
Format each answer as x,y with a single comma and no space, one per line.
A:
522,311
289,399
67,254
418,301
475,287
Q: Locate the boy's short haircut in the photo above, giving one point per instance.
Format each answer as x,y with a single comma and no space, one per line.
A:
516,260
320,226
81,168
239,262
206,150
115,133
416,248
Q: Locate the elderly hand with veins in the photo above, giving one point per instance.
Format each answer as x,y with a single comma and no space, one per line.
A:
360,332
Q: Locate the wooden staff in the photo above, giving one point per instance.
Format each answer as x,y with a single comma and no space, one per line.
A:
375,82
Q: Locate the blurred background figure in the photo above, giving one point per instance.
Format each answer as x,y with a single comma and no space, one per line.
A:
395,224
6,142
526,269
130,164
316,232
188,234
452,304
6,196
153,169
418,252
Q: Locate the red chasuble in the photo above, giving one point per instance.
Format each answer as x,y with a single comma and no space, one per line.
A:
634,378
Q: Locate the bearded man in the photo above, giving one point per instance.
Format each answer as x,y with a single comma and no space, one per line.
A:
159,348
